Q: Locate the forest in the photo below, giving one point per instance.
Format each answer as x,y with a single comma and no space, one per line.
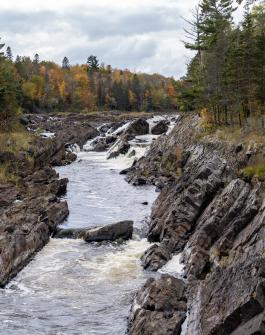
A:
225,80
34,86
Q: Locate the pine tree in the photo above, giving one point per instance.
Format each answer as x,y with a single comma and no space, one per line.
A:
215,17
66,63
93,64
194,33
1,47
9,54
36,59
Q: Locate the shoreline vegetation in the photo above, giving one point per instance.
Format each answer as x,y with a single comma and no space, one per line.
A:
209,170
225,79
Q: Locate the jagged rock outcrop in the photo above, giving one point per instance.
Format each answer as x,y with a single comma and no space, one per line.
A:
215,217
182,204
28,217
25,228
53,150
159,308
31,210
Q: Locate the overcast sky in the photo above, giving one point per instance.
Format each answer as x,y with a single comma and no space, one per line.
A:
142,35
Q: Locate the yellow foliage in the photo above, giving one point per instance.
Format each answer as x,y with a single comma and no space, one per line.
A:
206,117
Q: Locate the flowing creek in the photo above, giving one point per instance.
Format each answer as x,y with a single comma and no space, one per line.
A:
72,287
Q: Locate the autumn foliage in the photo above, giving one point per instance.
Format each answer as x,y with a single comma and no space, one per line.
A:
34,86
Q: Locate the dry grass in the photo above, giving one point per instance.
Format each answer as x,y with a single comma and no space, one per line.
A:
15,141
6,176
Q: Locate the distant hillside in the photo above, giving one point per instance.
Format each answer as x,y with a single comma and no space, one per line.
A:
42,86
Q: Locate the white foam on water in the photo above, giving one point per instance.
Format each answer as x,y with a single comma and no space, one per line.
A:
174,266
75,148
184,326
72,286
120,265
88,145
47,134
120,129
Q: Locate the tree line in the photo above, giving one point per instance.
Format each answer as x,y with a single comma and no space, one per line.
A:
32,85
226,77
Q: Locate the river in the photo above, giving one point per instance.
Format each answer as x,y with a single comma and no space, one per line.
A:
72,287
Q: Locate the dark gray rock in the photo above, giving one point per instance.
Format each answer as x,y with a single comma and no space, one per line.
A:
217,221
120,230
125,171
132,154
139,181
159,308
24,120
138,127
122,149
71,233
25,227
100,146
160,128
155,257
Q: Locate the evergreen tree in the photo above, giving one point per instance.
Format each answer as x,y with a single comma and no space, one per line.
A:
1,47
93,64
66,63
215,17
9,54
194,33
36,59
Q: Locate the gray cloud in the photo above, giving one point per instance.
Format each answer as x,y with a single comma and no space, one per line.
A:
144,38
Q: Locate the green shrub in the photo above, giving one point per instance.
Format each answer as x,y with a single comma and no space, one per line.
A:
257,171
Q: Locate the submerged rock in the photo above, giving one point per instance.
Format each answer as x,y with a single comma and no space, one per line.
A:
120,230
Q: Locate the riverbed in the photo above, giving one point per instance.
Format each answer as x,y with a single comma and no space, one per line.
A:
72,287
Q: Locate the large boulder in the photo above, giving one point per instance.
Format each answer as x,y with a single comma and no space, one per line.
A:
160,128
120,230
159,308
138,127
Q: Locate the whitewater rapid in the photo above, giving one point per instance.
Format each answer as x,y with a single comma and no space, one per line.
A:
75,288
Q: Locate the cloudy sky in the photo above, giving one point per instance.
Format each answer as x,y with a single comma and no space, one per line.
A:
142,35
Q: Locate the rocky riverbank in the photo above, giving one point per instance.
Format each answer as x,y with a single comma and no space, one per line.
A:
30,208
213,215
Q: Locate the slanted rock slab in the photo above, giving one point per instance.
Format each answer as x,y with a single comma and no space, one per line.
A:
120,230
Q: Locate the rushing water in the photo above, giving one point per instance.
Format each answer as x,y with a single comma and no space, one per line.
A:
72,287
